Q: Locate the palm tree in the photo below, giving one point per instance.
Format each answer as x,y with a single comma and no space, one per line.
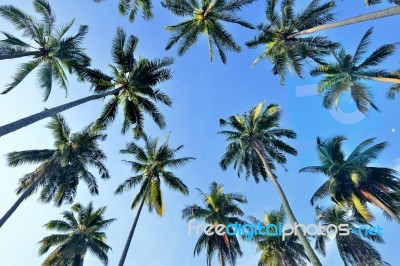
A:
131,7
287,52
136,80
52,53
347,73
132,85
351,182
151,167
62,167
392,11
254,146
274,250
205,18
219,209
355,248
374,2
81,230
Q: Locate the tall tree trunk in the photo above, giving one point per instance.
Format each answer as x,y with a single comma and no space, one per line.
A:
209,8
285,203
20,200
383,79
22,54
128,241
14,126
392,11
221,259
374,200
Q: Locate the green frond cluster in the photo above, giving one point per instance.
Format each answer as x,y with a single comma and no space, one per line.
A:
62,168
352,182
53,52
219,208
81,230
286,51
205,18
153,165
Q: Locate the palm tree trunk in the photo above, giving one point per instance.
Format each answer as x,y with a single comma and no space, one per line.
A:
383,79
18,55
221,259
374,200
392,11
210,7
285,203
20,200
14,126
128,241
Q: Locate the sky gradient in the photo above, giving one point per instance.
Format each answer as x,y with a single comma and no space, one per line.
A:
202,94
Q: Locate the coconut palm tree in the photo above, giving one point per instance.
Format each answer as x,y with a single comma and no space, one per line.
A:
255,145
346,74
352,183
81,230
131,7
284,51
61,168
219,209
52,52
274,250
205,18
153,164
355,248
132,86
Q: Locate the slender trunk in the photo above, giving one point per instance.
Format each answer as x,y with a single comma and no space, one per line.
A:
392,11
383,79
210,7
14,126
128,241
374,200
221,259
285,203
22,54
20,200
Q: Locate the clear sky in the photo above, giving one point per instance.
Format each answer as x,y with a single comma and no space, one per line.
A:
202,94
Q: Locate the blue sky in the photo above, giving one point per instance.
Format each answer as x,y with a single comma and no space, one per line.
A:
202,93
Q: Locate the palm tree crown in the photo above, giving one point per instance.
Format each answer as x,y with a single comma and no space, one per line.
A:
352,183
131,7
288,52
259,126
150,168
274,250
136,81
220,208
355,248
53,53
62,167
81,230
347,73
374,2
205,18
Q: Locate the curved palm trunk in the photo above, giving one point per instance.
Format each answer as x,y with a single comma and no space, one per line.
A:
128,241
392,11
210,7
18,55
221,259
285,203
20,200
374,200
14,126
383,79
